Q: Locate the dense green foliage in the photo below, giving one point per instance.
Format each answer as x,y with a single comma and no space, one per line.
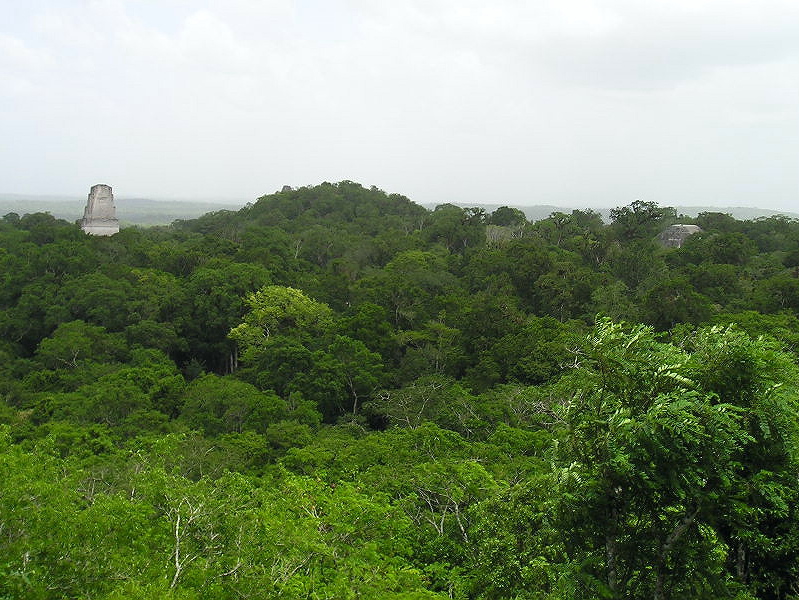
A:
336,393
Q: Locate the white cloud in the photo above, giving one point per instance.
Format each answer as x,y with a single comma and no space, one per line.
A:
206,42
19,65
16,55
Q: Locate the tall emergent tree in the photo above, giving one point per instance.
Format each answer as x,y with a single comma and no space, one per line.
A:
673,474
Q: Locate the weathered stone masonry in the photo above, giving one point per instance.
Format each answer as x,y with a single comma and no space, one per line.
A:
100,218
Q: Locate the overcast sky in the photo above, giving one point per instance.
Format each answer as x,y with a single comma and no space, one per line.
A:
564,102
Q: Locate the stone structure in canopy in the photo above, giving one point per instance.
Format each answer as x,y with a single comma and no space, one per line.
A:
675,235
99,217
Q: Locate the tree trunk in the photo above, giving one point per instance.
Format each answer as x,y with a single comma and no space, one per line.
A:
665,550
611,553
611,546
740,564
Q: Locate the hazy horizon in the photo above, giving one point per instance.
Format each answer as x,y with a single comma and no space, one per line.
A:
553,102
242,201
56,203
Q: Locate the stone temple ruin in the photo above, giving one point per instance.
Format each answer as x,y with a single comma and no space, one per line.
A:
675,236
100,218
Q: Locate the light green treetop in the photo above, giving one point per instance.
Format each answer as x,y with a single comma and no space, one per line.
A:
279,310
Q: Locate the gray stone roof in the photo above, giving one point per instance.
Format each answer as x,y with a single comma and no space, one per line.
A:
675,235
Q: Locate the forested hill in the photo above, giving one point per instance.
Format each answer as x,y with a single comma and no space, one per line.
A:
346,204
336,393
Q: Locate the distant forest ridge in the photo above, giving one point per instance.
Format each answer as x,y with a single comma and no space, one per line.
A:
143,211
